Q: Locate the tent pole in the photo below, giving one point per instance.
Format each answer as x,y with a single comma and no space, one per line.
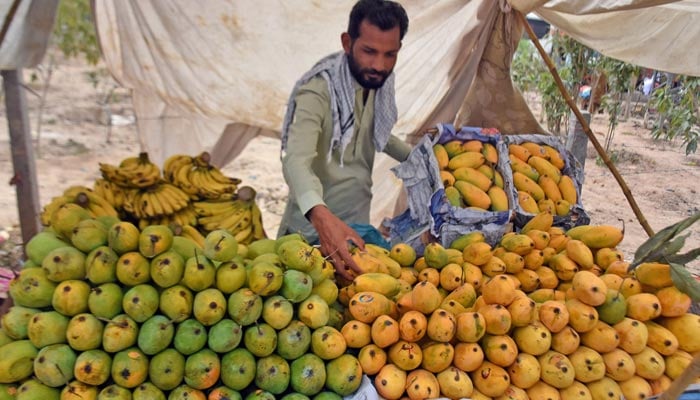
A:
586,127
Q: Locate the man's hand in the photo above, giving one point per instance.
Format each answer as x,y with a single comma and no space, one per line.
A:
334,235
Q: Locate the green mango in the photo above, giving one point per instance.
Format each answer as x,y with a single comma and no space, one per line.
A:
53,365
48,327
155,334
167,369
224,336
238,369
190,336
101,265
105,301
167,268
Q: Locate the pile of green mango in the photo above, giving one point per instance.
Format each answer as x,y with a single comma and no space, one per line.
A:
105,310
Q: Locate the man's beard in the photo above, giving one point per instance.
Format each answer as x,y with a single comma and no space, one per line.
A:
363,77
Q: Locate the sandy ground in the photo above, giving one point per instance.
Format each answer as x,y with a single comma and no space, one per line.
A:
74,138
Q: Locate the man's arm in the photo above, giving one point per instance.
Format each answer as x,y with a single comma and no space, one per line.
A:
397,149
311,104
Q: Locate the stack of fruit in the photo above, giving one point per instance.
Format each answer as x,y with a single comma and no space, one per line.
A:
469,175
190,193
539,180
544,314
123,312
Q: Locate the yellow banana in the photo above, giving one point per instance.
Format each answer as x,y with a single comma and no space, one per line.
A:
244,236
257,221
191,232
53,205
173,162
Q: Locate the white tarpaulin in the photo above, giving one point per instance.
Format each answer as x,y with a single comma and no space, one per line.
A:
657,34
26,25
213,75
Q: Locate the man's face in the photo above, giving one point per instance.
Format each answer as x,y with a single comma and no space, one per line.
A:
372,56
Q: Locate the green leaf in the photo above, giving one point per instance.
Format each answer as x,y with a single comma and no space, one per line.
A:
685,282
684,258
653,247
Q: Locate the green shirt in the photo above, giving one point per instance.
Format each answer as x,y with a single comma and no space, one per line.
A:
312,179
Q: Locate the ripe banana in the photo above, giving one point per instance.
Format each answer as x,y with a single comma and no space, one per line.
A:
257,221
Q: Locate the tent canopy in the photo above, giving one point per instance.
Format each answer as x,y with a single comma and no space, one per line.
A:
212,78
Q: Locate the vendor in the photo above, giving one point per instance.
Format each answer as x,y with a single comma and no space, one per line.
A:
339,114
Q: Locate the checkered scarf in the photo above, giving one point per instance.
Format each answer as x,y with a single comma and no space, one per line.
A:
335,70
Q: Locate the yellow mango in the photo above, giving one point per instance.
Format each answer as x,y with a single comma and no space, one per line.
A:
554,156
525,184
499,199
473,196
519,151
447,178
653,274
550,188
473,145
466,159
541,221
473,176
518,165
580,253
567,188
527,203
453,148
377,282
490,153
544,167
441,156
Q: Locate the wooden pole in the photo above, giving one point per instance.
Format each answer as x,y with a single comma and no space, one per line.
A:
24,178
586,127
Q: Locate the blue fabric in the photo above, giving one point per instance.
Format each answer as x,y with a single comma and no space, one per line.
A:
370,234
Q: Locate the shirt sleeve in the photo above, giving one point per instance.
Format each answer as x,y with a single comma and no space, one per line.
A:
397,149
312,100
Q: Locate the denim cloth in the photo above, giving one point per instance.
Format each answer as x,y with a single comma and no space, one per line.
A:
367,232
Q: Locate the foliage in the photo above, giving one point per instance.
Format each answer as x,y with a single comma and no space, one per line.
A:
619,75
681,108
664,247
74,32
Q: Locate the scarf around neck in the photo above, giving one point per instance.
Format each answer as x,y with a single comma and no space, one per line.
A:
335,69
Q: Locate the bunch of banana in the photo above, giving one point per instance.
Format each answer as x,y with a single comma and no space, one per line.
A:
97,205
83,196
241,216
188,231
163,199
113,193
132,172
469,175
198,178
539,180
183,217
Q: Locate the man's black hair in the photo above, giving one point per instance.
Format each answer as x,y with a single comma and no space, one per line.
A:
383,14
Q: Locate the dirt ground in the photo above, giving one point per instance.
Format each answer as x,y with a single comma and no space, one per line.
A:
74,138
